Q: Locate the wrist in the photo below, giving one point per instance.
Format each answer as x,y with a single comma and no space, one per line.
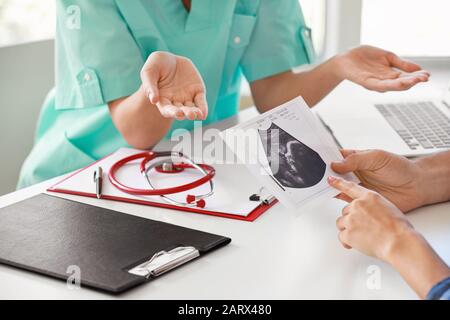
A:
143,93
423,186
337,68
417,262
401,244
433,179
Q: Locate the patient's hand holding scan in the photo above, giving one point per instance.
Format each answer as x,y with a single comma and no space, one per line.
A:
289,151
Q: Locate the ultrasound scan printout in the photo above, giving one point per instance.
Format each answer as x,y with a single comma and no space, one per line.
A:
289,151
299,165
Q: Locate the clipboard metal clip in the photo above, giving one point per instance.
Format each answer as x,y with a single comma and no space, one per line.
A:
164,261
262,196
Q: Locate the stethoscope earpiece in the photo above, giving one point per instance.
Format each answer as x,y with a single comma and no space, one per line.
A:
195,200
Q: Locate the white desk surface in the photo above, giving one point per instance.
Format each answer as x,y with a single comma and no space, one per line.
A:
281,255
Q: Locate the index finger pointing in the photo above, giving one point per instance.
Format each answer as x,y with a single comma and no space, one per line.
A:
349,188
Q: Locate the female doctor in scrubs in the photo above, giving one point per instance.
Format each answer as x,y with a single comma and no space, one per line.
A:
130,72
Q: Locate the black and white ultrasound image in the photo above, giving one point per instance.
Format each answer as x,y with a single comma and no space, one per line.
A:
298,165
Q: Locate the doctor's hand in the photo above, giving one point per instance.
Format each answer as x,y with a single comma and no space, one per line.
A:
174,85
379,70
395,177
369,223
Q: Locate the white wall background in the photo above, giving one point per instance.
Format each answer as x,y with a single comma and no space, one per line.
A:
407,27
26,75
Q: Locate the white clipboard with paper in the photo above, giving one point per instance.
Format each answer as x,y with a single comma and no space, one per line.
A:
233,187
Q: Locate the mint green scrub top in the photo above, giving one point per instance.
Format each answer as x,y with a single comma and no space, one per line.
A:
102,45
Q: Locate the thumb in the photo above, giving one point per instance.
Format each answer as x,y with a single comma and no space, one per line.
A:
402,64
150,79
358,160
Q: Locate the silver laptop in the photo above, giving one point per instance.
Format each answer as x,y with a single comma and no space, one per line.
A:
410,128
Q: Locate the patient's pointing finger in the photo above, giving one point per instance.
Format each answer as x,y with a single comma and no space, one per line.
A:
351,189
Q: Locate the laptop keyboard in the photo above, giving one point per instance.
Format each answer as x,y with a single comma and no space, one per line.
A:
418,124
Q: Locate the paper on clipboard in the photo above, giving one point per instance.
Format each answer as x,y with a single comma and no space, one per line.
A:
290,152
227,198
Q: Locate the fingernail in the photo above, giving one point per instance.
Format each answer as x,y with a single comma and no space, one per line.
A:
332,179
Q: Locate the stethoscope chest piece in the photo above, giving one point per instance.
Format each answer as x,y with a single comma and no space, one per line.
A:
169,167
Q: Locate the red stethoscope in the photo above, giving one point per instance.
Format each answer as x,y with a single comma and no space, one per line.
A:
169,167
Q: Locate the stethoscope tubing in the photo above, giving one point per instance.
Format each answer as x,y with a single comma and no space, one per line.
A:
191,200
146,157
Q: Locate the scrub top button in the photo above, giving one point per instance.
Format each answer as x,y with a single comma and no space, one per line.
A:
307,33
87,77
237,40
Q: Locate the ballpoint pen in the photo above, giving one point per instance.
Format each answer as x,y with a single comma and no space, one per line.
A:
98,180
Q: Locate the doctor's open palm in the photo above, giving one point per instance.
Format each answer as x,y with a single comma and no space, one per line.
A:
380,70
174,85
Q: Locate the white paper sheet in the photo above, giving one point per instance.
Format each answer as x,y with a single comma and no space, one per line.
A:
232,184
302,151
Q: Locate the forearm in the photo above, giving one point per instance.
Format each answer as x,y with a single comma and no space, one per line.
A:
312,85
417,262
434,179
140,123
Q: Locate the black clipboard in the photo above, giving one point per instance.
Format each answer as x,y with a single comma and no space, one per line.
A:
111,251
